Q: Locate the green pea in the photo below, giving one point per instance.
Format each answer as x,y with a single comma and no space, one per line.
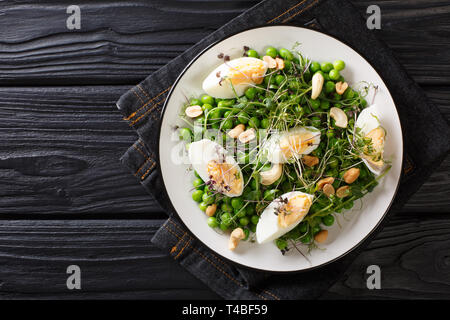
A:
246,233
227,114
324,104
207,99
243,117
316,229
237,203
254,219
349,94
337,96
334,74
306,238
330,133
225,103
271,52
250,210
349,205
185,134
215,114
281,244
303,227
253,122
339,65
244,221
363,103
333,162
326,66
328,220
212,222
314,67
226,218
287,65
250,93
329,86
195,102
315,103
270,194
326,76
226,207
197,195
203,205
240,213
207,107
227,124
286,54
198,184
265,123
208,198
252,53
252,228
223,226
279,78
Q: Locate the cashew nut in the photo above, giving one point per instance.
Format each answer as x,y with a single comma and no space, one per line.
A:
328,189
310,161
341,87
236,236
273,174
193,111
351,175
323,182
339,116
271,62
247,135
280,63
236,131
317,84
211,210
321,236
343,192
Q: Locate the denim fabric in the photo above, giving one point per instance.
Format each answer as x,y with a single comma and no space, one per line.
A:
426,136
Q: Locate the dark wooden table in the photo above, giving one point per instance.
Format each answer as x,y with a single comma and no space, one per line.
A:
65,198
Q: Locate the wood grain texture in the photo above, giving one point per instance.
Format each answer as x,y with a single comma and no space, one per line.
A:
116,259
413,253
124,41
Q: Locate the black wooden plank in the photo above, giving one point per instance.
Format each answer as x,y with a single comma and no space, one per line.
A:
124,41
60,152
61,146
412,252
118,261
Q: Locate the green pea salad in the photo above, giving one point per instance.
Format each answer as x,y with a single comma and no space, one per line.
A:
280,146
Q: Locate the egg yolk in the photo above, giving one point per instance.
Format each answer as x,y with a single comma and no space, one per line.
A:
374,155
247,72
224,177
296,144
294,210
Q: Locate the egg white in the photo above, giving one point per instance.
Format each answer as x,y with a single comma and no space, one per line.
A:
218,88
203,151
272,149
367,121
268,228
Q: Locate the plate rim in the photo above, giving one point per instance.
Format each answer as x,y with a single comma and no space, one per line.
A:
166,195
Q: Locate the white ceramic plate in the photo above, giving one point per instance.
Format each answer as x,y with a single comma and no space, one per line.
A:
355,225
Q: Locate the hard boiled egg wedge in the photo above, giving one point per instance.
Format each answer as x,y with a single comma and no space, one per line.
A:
282,215
284,146
218,169
368,122
239,74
